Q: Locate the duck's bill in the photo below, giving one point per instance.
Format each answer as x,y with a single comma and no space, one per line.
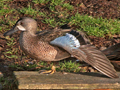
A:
10,32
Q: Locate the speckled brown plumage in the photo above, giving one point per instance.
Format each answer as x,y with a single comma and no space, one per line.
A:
37,45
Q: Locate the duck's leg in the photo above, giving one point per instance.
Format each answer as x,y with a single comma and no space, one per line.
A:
53,70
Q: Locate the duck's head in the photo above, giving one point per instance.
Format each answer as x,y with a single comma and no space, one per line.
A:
24,24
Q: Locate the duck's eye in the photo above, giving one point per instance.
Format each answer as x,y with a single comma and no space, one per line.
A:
21,23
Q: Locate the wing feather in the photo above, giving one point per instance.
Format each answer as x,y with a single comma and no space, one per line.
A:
96,59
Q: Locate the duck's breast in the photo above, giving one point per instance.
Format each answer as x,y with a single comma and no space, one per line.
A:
37,49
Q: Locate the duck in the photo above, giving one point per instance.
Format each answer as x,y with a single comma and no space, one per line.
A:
58,44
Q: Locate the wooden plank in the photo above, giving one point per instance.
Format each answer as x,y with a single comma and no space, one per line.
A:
34,80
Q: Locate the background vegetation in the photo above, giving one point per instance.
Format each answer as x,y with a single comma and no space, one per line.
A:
99,19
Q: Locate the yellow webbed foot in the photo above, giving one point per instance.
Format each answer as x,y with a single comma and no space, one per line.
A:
53,70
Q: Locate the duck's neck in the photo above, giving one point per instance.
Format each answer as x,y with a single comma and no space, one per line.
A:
26,38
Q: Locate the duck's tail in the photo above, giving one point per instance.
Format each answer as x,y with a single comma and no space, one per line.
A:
113,52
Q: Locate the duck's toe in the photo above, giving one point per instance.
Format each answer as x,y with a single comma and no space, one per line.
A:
53,70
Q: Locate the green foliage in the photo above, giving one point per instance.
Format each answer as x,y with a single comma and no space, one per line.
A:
60,3
96,27
40,1
50,21
42,63
68,6
11,42
7,82
29,10
68,66
16,67
56,2
24,66
42,14
4,8
11,52
92,26
58,15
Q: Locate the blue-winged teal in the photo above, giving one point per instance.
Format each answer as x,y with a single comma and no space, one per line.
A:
58,44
